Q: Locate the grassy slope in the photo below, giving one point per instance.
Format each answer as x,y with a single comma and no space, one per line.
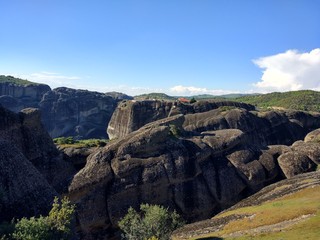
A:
304,202
306,100
18,81
289,209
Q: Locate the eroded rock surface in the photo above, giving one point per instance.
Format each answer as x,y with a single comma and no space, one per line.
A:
196,172
79,113
32,170
17,97
129,116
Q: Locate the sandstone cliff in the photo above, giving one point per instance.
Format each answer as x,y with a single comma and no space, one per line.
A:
79,113
26,133
199,174
17,97
32,170
131,115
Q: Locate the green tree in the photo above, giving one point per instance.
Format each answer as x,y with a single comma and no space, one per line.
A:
152,222
193,100
57,225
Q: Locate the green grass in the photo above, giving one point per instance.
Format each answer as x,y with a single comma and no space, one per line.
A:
65,142
305,100
303,202
17,81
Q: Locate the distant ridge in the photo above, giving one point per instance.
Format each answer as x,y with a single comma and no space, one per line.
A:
155,96
305,100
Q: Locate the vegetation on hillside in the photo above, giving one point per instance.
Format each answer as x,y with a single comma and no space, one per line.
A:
305,100
156,96
289,217
71,142
17,81
153,222
55,226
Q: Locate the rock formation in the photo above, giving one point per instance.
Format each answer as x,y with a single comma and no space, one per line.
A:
17,97
129,116
78,113
32,170
197,172
25,132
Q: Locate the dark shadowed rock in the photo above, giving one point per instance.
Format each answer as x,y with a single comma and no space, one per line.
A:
78,113
23,189
26,133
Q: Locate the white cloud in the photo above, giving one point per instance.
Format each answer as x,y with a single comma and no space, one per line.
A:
190,90
289,71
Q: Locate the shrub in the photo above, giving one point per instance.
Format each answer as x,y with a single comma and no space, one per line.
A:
55,226
153,222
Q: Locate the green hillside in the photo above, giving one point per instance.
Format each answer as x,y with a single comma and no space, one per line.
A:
306,100
156,96
17,81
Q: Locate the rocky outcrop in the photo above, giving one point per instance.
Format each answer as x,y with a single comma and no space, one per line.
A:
78,113
196,173
17,97
266,128
27,134
129,116
23,189
32,170
118,96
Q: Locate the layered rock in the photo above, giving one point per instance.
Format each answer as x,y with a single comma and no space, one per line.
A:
78,113
129,116
196,173
17,97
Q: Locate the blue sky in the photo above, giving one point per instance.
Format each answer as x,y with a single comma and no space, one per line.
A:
180,47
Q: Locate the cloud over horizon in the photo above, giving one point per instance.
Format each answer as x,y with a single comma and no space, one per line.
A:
191,90
289,71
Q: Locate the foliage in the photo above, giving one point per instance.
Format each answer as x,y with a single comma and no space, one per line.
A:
193,100
57,225
174,130
153,222
71,142
18,81
305,100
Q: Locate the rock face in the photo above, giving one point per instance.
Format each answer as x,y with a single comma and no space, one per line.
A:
17,97
23,189
266,128
79,113
32,170
27,134
131,115
197,172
